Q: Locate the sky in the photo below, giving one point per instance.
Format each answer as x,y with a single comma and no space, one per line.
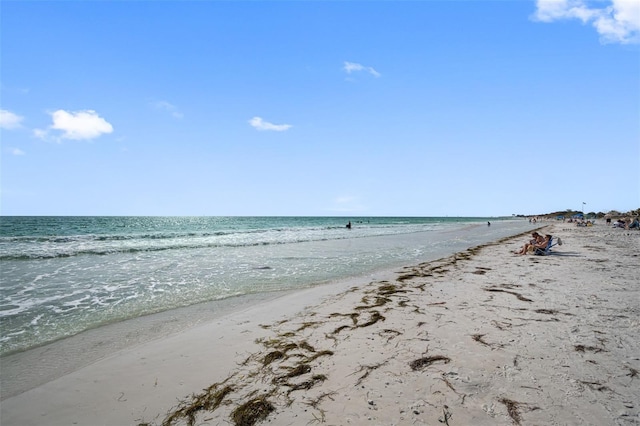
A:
319,108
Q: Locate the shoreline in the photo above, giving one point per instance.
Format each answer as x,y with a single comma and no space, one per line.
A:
89,292
23,369
488,342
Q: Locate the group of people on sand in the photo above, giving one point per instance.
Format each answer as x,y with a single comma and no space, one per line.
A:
626,224
537,242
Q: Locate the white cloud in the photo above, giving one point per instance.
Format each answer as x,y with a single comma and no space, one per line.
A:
39,133
347,204
259,124
17,151
617,22
166,106
350,67
345,199
78,125
9,120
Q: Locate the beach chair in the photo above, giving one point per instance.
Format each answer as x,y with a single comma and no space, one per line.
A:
547,249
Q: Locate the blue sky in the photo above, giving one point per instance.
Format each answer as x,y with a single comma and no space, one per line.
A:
346,108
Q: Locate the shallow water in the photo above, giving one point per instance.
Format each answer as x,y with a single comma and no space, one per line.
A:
61,276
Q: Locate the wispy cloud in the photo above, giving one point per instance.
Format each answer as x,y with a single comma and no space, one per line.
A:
259,124
350,67
16,151
346,204
9,120
40,133
78,125
168,107
618,21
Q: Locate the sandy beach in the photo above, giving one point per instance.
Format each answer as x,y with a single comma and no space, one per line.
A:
483,337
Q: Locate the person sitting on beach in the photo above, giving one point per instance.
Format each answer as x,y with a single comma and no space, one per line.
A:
547,243
538,242
535,236
620,224
635,224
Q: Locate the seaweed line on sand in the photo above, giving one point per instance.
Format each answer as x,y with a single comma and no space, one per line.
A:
252,411
367,369
500,290
420,363
514,407
283,359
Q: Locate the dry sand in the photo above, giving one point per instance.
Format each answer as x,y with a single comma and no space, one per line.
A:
484,337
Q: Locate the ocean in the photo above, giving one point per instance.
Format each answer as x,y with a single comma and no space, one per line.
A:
61,276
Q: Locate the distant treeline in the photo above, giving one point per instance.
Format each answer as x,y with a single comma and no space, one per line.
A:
598,215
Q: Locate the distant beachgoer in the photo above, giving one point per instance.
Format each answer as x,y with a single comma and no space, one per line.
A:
349,225
620,224
488,223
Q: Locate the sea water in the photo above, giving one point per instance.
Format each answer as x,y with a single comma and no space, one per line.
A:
61,276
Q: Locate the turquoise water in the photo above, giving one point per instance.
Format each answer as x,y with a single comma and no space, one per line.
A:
62,275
